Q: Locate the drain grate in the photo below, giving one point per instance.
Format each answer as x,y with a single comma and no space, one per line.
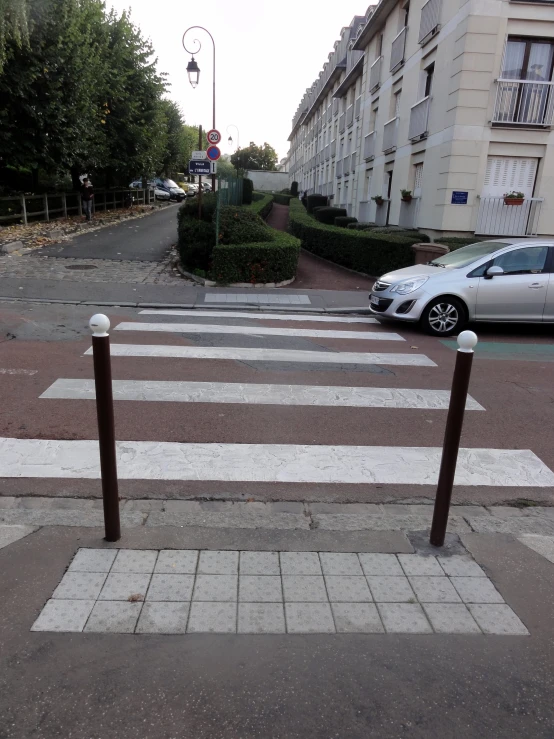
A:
81,266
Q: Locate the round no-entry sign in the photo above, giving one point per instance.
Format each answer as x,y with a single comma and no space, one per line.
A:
213,153
213,136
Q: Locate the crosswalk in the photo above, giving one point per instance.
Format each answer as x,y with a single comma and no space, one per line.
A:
153,457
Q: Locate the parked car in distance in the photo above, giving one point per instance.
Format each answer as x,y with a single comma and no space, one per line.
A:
499,280
137,184
171,187
160,194
193,190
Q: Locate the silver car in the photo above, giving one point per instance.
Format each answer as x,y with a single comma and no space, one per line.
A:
500,280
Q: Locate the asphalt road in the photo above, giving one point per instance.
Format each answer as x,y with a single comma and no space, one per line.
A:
348,686
146,239
512,380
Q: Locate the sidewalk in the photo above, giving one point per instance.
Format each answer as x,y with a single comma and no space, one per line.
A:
347,634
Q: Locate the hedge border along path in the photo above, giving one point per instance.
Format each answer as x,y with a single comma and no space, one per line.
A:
357,250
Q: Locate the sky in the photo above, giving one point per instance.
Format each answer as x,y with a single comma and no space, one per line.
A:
267,53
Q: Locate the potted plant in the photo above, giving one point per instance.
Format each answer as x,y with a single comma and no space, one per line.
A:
406,195
379,199
514,198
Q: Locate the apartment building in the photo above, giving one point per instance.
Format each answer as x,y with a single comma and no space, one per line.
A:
450,100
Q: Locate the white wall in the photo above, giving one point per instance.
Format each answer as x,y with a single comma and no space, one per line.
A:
269,181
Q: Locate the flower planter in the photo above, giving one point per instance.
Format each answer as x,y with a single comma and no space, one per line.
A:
514,201
406,198
379,201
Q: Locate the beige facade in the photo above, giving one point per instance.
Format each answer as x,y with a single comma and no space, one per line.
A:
450,100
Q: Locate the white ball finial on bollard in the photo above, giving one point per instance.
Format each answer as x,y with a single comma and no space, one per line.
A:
467,340
99,324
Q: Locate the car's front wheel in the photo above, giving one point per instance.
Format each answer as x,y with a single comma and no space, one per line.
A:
443,316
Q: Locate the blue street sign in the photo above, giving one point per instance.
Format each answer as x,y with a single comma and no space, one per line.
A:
459,197
199,166
213,153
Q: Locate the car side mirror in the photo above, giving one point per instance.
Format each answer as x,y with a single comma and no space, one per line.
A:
494,272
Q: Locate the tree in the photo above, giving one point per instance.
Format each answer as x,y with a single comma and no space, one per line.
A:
13,25
175,150
255,157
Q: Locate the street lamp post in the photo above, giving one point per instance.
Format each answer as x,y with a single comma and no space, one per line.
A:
193,71
230,139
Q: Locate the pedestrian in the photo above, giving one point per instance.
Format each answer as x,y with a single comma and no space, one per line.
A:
87,196
304,199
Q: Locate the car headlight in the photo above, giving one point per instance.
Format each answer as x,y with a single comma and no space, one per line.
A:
403,288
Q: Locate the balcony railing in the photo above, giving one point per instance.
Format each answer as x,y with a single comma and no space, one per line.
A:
335,106
350,115
419,117
495,218
390,134
430,16
358,107
342,123
338,170
346,165
327,149
353,162
369,146
397,50
375,74
524,103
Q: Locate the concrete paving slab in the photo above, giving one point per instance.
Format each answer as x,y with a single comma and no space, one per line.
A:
381,564
163,618
340,564
215,588
309,618
259,563
260,589
497,619
451,618
404,618
476,590
177,561
304,589
213,618
64,615
218,563
170,588
261,618
434,589
346,589
113,617
390,589
357,618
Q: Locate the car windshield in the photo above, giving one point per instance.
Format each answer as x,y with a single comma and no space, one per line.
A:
170,183
467,254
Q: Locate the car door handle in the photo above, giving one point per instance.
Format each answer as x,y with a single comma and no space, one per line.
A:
536,285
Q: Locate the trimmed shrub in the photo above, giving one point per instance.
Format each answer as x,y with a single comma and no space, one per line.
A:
247,190
409,233
281,199
241,226
189,208
196,241
361,226
456,242
262,205
362,251
344,221
273,261
329,213
258,196
313,200
294,189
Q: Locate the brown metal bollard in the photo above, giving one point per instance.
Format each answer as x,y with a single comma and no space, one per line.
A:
454,422
99,325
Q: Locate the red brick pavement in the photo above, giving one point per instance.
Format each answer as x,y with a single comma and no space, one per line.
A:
314,273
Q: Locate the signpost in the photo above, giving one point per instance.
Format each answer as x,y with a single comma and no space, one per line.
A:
198,155
213,153
200,167
213,136
459,197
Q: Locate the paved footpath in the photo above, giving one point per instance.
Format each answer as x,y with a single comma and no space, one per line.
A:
314,273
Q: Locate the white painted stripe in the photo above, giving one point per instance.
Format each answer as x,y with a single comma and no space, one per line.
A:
200,328
275,298
152,460
261,316
5,371
261,394
267,355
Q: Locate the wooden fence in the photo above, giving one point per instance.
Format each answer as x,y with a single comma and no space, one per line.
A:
28,208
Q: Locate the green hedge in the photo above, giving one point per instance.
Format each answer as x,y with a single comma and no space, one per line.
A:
247,190
281,199
456,242
328,213
358,250
345,221
189,208
361,226
273,261
241,226
262,204
196,241
316,199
